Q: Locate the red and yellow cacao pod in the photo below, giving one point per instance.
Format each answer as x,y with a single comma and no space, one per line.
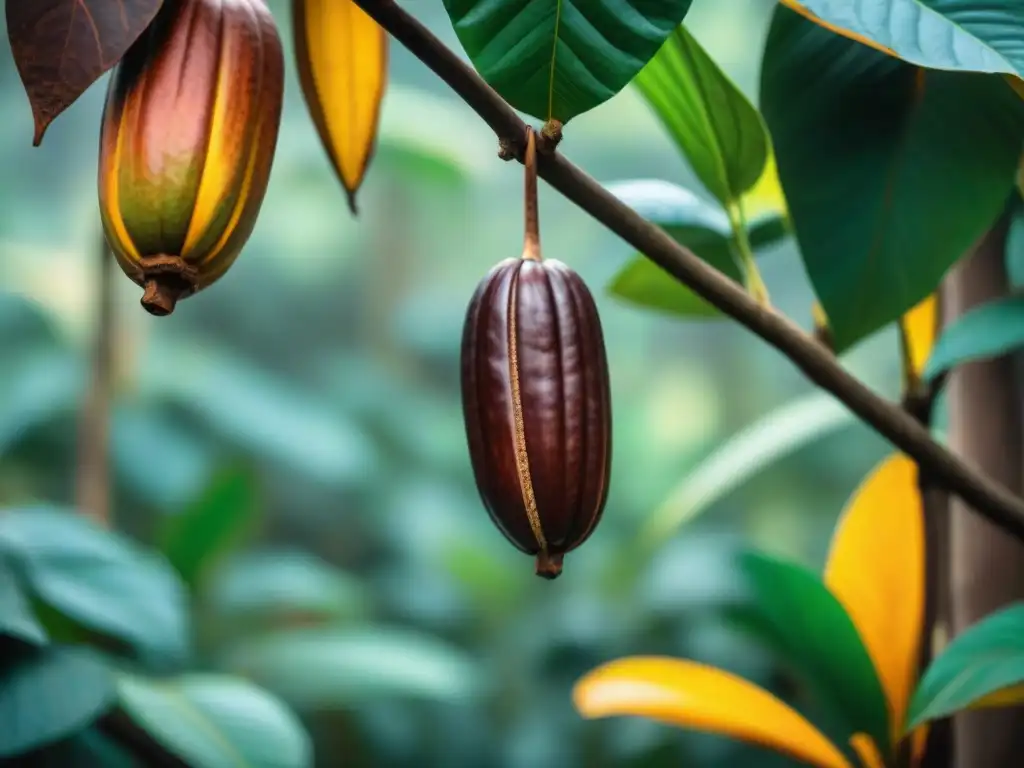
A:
537,406
187,143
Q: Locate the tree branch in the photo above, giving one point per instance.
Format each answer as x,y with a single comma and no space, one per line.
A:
990,499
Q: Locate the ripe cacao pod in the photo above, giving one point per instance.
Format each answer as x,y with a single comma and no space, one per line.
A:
187,142
537,406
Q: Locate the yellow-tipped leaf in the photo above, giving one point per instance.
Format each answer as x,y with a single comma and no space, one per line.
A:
692,695
918,329
876,570
342,57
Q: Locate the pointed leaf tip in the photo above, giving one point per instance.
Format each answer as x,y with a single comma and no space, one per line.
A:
342,58
876,570
691,695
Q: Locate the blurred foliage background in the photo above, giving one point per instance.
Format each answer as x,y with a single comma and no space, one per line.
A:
317,387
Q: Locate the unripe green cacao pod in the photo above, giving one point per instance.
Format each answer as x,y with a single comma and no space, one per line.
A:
537,406
187,142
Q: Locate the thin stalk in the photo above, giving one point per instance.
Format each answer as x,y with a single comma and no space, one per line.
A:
531,240
745,254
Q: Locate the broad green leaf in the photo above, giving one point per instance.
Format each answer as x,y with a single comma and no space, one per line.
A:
691,695
875,568
342,60
16,617
1015,245
984,659
987,331
690,221
326,667
196,538
98,580
40,387
712,122
261,590
964,35
752,450
216,721
558,59
868,148
47,694
805,623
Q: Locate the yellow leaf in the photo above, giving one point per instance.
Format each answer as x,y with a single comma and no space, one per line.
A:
692,695
867,751
918,743
876,570
1011,696
918,329
342,57
766,196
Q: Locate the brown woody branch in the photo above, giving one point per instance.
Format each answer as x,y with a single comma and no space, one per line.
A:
990,499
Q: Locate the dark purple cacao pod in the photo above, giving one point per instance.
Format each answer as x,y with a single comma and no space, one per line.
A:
537,406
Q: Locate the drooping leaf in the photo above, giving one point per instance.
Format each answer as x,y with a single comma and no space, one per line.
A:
867,149
918,329
963,35
40,388
16,617
712,122
691,695
216,721
98,580
690,221
61,47
47,694
327,667
990,330
753,449
1015,244
263,590
876,568
196,538
984,659
342,58
558,59
809,627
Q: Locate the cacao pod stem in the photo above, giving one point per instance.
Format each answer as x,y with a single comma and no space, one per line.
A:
531,245
166,280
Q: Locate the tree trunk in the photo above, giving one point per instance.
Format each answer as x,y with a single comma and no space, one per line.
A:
986,566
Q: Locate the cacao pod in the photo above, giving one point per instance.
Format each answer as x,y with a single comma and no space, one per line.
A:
187,142
537,406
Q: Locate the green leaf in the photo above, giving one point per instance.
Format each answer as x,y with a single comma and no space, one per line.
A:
98,580
808,626
690,221
320,668
753,449
986,331
711,121
965,35
216,721
47,694
561,58
260,590
987,657
1015,245
212,525
16,617
868,148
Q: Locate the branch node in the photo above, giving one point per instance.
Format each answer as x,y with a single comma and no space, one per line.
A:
550,137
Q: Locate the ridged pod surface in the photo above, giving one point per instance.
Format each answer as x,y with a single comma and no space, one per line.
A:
537,406
187,143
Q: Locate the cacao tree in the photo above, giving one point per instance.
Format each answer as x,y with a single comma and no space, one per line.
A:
886,144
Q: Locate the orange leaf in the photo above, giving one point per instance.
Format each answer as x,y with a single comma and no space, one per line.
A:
867,750
876,570
692,695
918,329
342,57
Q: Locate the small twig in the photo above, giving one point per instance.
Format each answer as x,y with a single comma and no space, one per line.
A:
93,478
531,238
989,498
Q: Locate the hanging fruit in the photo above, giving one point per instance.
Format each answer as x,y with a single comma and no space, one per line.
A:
536,399
342,57
187,142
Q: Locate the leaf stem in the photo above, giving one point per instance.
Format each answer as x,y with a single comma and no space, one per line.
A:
531,240
745,254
